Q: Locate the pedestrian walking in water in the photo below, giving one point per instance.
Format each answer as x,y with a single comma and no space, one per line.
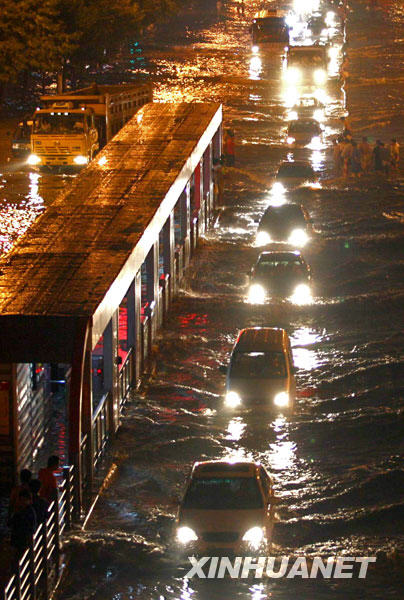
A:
337,156
365,152
377,157
23,524
355,160
346,156
229,148
14,506
48,481
385,158
40,505
394,154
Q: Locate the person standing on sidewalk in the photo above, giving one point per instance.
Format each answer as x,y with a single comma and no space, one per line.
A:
25,478
23,524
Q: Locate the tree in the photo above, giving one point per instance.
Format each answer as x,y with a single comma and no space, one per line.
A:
101,27
31,38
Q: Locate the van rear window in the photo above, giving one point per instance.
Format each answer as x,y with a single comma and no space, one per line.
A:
263,365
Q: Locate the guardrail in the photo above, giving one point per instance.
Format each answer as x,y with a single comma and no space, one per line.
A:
39,568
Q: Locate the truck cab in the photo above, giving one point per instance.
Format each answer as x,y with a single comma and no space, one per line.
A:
63,136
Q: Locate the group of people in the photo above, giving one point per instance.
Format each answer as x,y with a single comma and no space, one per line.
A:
355,159
29,503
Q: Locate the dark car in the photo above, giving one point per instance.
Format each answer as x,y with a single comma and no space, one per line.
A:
294,173
288,223
21,140
303,131
278,273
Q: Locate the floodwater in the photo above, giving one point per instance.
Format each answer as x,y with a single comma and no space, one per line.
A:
337,462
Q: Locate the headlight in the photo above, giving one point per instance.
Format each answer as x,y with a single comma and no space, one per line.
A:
301,295
232,399
80,160
290,140
263,238
293,75
254,49
293,115
318,115
34,159
320,76
278,187
256,294
254,536
186,535
298,238
281,399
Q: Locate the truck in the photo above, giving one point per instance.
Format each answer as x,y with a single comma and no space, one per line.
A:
269,27
70,128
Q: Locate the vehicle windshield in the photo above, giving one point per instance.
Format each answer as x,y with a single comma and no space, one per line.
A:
223,493
284,265
59,123
261,365
306,58
270,25
303,126
293,170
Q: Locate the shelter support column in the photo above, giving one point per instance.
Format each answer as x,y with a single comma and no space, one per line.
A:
168,253
111,371
152,283
208,182
78,365
185,223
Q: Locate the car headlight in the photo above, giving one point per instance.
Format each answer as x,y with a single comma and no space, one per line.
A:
254,536
298,238
293,115
320,76
254,49
278,187
301,294
263,238
318,115
281,399
232,399
290,140
293,75
80,160
34,159
256,294
186,535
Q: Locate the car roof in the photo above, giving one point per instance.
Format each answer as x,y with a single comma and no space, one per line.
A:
274,255
260,339
224,468
287,207
309,48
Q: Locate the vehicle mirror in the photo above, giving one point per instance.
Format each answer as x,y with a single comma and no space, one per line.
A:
223,369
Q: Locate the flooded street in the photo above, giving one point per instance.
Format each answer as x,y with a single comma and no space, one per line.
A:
338,461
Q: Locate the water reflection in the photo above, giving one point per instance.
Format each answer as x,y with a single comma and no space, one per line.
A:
235,429
255,69
282,453
303,357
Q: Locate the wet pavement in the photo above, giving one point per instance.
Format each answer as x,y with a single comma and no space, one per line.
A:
337,462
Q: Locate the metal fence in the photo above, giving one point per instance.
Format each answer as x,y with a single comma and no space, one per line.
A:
38,570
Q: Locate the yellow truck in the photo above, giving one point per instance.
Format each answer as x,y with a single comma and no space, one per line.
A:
70,128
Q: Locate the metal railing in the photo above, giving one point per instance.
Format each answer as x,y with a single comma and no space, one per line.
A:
101,427
38,570
126,377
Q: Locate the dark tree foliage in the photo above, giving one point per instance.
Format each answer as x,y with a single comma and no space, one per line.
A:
31,37
45,36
